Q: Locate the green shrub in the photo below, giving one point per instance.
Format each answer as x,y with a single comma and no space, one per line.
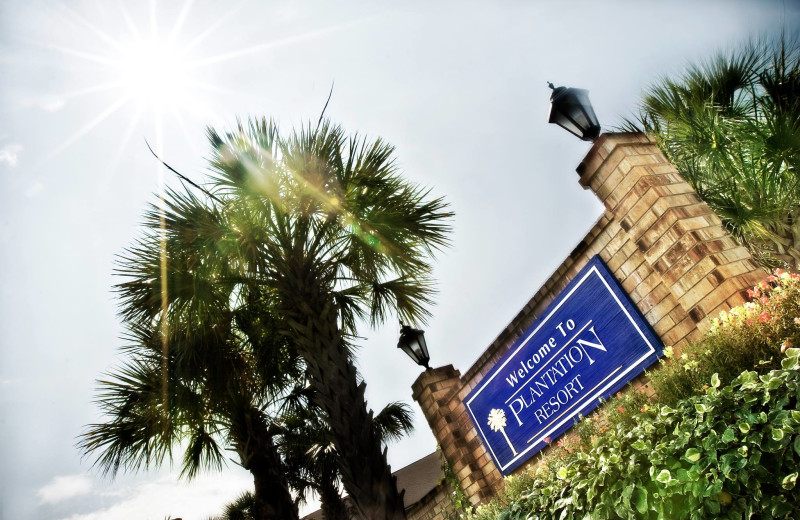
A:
703,450
733,452
748,337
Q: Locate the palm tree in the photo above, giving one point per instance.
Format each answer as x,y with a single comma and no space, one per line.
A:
326,224
240,509
310,457
731,126
204,367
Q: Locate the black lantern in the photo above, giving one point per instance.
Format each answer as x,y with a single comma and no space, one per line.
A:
571,109
412,341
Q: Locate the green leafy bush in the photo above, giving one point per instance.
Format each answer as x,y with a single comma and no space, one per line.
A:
748,337
721,442
732,452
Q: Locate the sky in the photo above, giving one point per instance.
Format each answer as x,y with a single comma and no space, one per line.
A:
460,88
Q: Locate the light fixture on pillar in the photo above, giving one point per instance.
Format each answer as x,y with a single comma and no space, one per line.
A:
412,342
571,109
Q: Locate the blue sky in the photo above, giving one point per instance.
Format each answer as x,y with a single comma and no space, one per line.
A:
458,87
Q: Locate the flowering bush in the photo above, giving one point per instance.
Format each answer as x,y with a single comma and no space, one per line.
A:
723,440
774,309
750,336
732,452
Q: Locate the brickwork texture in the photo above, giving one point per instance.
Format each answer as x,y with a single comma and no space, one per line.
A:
435,505
665,246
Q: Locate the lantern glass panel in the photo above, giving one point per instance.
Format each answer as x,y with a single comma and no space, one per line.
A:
410,352
422,345
579,116
562,121
571,109
412,342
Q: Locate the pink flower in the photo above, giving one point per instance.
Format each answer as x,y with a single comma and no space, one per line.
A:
786,344
764,317
619,394
779,271
764,299
547,440
797,321
751,292
621,409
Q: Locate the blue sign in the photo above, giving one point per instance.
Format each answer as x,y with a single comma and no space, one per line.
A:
586,346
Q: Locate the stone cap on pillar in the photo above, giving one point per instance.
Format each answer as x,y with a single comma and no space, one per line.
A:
603,147
433,376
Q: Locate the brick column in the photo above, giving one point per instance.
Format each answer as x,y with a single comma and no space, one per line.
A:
664,245
681,238
437,392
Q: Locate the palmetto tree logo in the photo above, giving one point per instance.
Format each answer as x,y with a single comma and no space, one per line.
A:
497,422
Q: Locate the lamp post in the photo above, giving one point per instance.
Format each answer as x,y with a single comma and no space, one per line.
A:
571,109
412,342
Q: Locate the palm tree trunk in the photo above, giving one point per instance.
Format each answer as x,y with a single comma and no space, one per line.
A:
365,473
259,455
332,504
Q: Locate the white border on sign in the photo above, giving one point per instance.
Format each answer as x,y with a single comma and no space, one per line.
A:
588,401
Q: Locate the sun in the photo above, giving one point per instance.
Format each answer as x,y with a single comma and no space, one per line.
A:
154,73
148,70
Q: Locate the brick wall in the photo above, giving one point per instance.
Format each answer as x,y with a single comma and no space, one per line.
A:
433,506
665,246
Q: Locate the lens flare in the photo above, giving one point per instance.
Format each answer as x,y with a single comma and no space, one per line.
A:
154,72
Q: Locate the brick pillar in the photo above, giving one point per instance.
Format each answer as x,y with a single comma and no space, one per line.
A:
664,245
679,235
437,392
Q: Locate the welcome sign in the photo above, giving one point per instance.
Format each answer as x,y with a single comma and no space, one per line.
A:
586,346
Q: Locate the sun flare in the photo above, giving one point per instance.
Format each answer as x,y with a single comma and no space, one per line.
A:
148,71
154,73
153,67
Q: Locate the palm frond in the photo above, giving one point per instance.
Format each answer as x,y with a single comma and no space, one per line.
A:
395,421
731,125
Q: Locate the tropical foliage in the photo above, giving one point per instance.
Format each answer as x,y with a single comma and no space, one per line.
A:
750,336
722,440
242,508
325,223
205,368
310,457
730,453
237,295
731,125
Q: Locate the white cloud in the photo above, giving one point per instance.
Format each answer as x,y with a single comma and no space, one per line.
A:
163,497
9,154
34,189
64,487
